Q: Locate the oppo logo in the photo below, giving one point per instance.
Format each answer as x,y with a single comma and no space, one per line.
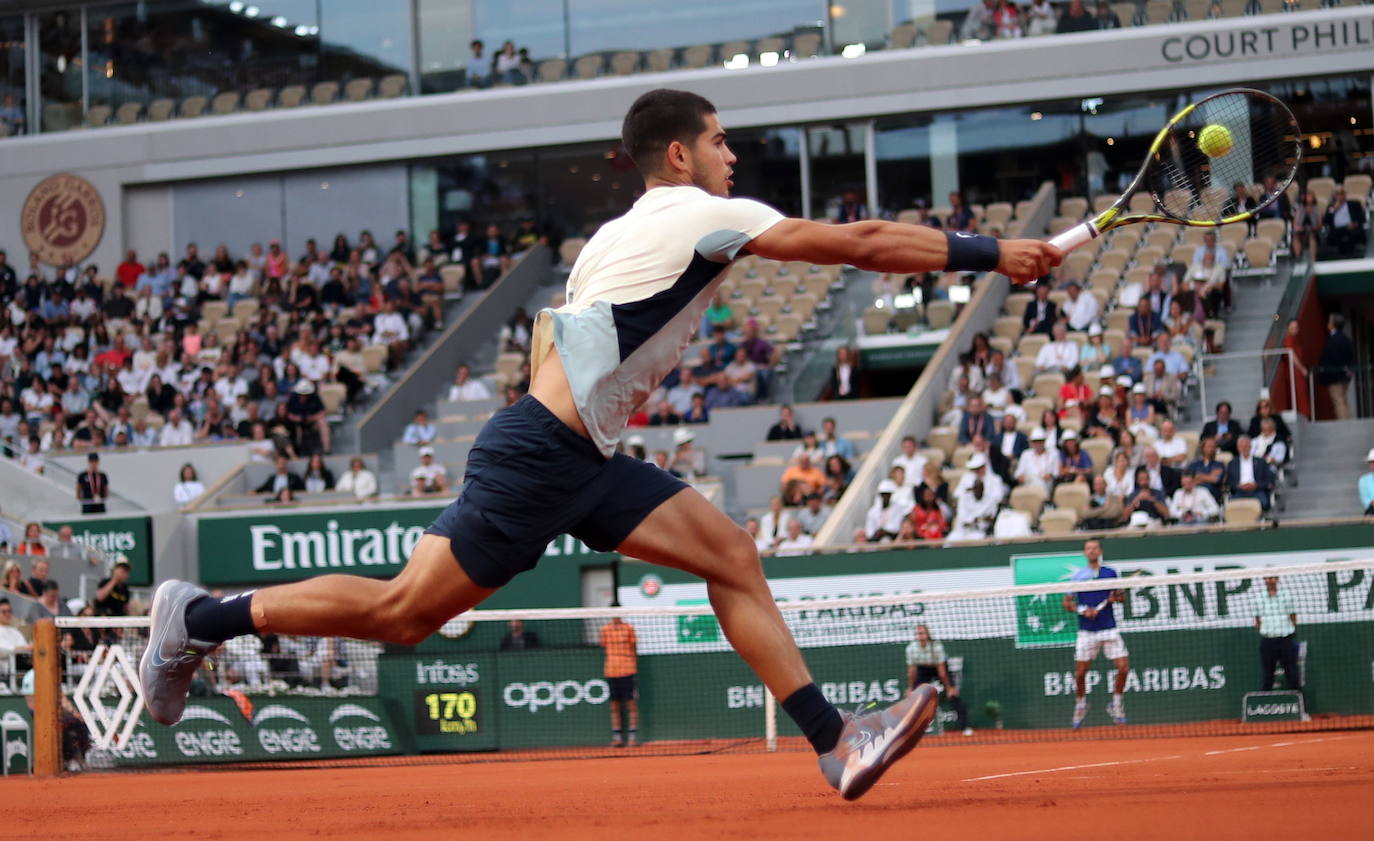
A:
560,695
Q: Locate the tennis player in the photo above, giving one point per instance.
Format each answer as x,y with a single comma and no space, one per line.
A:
547,465
1097,632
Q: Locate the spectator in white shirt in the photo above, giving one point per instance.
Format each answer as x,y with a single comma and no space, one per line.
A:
1219,252
1038,465
1081,308
357,480
773,524
884,518
1059,354
230,385
32,458
188,487
466,388
997,397
978,471
419,432
1192,504
389,326
913,463
751,526
176,432
1268,446
434,477
974,512
797,542
1172,449
314,364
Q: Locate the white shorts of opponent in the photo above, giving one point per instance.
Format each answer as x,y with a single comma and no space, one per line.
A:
1090,642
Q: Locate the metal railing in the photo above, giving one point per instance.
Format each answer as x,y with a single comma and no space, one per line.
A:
1200,365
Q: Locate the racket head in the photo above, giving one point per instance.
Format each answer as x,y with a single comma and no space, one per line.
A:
1189,187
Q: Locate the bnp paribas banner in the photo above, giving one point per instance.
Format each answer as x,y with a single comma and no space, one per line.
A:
216,729
271,546
1031,622
131,537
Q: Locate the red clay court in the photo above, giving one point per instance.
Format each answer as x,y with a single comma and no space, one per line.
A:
1218,788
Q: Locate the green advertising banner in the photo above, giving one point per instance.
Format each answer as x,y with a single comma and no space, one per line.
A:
214,729
16,752
1041,620
131,537
267,547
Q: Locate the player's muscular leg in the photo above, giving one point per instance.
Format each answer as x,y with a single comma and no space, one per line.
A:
1080,677
690,534
1123,667
431,589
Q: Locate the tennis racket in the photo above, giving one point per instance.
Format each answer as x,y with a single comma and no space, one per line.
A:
1250,136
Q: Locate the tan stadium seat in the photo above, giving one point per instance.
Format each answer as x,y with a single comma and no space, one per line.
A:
624,64
1125,12
587,67
1104,201
246,310
374,357
1030,344
787,327
1074,496
902,37
773,45
1057,522
659,60
1099,450
806,45
697,55
98,115
214,310
161,109
1324,188
128,113
553,70
391,87
1244,512
193,106
1114,260
1075,266
769,306
938,32
1142,202
1197,9
1060,224
876,320
358,90
332,395
452,275
730,49
1016,303
1047,385
258,100
1162,237
1273,229
944,439
225,103
570,248
1029,499
291,96
1148,256
1259,254
1182,254
1008,327
1074,207
1233,237
1358,186
939,314
1104,280
324,93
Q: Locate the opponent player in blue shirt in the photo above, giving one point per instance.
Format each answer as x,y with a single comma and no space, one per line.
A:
1097,632
548,465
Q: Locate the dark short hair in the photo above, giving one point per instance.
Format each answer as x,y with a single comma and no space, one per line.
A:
51,587
1227,404
93,457
124,564
658,118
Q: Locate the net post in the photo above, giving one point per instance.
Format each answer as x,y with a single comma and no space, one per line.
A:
47,700
770,720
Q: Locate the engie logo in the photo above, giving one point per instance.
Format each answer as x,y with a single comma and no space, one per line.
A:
287,739
358,736
206,739
560,695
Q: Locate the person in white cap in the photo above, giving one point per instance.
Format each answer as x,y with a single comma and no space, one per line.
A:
1366,486
975,507
688,462
884,518
1095,350
994,487
431,473
1038,465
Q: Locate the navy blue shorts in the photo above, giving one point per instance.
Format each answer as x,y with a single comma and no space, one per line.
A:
530,478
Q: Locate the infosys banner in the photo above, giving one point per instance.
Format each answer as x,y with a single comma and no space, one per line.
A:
265,546
215,730
131,537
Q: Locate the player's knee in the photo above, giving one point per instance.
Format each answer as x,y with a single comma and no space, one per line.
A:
407,620
741,557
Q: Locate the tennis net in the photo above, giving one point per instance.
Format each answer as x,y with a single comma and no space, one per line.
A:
522,683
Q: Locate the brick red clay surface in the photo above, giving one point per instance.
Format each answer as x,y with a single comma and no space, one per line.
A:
1295,786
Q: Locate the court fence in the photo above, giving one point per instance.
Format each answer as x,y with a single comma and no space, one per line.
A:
546,683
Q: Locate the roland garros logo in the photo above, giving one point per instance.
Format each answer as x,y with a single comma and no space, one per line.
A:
63,219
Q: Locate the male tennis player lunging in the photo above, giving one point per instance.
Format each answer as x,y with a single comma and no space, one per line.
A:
547,465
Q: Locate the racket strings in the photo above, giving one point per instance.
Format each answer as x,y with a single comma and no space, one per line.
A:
1254,142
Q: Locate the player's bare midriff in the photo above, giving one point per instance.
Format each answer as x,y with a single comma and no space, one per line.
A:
550,387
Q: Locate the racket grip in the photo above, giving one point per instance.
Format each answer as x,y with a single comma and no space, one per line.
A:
1075,236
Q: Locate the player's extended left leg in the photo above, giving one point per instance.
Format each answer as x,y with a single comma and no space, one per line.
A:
1117,709
688,533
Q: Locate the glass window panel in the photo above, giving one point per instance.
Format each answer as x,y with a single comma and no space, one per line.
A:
601,25
359,39
767,166
837,167
12,96
60,70
584,185
902,149
864,21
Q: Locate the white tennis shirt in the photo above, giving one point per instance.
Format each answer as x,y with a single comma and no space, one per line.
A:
636,295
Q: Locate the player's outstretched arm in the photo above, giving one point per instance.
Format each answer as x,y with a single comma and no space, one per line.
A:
895,247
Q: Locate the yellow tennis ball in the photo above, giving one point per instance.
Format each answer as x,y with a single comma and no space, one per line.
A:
1214,141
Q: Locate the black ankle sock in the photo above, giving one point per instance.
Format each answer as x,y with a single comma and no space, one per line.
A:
216,620
816,717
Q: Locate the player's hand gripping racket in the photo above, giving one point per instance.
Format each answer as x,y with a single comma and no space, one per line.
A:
1241,136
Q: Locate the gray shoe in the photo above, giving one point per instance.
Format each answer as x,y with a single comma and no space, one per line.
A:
170,660
870,744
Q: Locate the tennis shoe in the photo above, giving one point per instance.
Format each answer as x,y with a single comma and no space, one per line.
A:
171,658
1117,711
870,744
1080,713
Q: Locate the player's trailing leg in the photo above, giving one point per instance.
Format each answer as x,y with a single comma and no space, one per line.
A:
1080,702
